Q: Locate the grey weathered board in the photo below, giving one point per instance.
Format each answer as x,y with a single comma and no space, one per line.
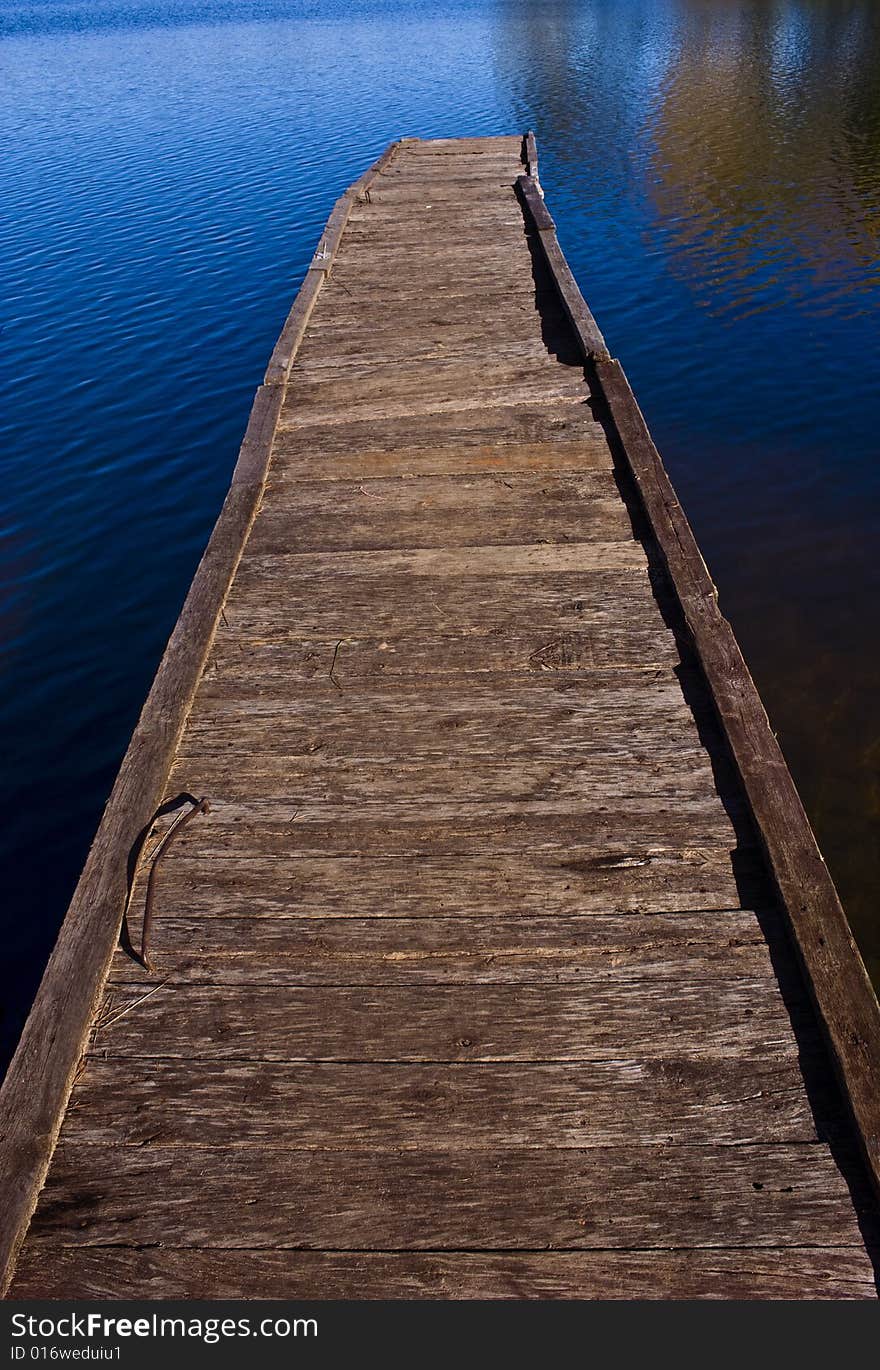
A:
478,978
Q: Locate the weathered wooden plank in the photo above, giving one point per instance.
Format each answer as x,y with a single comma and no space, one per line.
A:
443,388
635,1017
489,176
534,422
281,963
478,176
500,167
297,459
432,165
368,340
450,827
362,307
541,714
722,1196
451,297
343,355
530,155
575,306
390,193
315,406
445,562
481,290
331,347
498,258
439,268
450,306
263,665
373,242
447,741
573,302
635,759
377,221
500,255
404,1108
124,1271
561,610
415,524
622,878
399,496
494,142
493,949
383,226
538,211
675,774
427,168
363,284
446,511
452,749
291,336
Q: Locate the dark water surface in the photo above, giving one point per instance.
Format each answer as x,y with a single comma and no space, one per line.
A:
714,168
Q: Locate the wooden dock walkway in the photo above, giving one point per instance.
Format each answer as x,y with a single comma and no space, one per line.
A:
503,963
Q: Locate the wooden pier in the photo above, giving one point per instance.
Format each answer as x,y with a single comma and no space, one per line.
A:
503,963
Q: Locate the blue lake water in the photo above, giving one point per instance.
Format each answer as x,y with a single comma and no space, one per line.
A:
714,169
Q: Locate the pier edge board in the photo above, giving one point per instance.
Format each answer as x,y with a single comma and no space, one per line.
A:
530,156
41,1075
835,974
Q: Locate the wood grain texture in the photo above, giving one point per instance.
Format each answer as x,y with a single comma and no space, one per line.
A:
416,193
398,607
443,387
538,714
440,562
472,980
199,1105
453,828
324,779
586,649
478,434
621,878
635,1016
125,1271
489,950
514,1199
446,512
